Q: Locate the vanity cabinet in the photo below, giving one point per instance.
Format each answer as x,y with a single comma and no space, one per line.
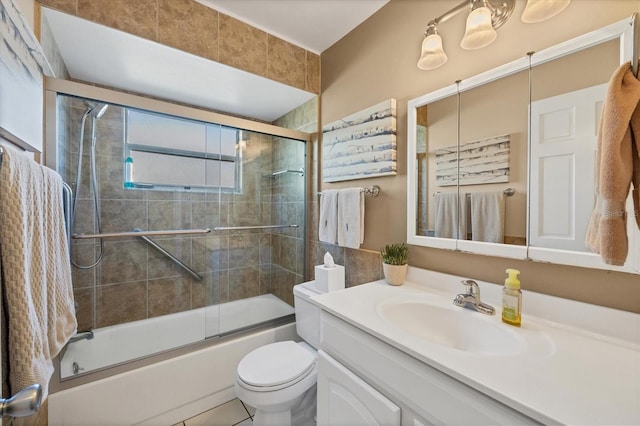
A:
361,379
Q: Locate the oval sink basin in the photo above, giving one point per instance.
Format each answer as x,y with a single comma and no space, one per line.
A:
456,328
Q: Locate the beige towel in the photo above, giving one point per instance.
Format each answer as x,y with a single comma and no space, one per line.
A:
617,165
487,216
328,223
450,209
350,217
37,293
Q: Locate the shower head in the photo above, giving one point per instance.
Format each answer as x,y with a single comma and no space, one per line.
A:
96,109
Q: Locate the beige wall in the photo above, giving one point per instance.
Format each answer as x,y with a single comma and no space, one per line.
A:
377,61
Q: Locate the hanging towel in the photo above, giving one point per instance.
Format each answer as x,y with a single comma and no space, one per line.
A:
617,166
487,216
450,209
350,217
37,294
328,223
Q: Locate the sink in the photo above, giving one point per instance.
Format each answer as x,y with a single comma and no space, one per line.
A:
454,328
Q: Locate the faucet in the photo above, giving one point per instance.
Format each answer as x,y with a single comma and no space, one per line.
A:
471,299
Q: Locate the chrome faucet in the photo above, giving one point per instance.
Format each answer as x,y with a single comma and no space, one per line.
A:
471,299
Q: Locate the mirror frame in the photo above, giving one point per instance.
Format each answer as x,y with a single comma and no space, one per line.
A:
626,32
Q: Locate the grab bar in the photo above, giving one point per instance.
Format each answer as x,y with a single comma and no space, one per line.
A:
274,175
141,233
239,228
24,403
177,261
83,335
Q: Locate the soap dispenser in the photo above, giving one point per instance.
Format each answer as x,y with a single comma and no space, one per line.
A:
512,299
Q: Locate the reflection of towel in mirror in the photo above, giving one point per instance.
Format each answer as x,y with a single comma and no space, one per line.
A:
350,217
487,216
448,212
328,223
617,165
36,272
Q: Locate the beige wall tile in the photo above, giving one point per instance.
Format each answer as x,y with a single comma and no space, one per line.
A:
242,46
120,303
69,6
313,73
169,295
138,17
189,26
286,62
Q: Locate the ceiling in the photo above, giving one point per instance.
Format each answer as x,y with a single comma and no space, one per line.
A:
103,55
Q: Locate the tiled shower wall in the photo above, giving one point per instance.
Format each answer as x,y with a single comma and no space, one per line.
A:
133,281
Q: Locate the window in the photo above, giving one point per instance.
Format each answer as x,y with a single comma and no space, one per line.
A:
175,153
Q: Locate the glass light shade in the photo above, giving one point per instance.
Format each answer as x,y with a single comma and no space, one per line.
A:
433,55
479,32
539,10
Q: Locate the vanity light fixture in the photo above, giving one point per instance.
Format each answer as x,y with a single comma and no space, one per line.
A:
485,17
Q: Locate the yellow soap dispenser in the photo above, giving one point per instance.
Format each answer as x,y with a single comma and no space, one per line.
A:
512,299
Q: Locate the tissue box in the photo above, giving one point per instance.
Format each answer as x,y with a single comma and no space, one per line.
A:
329,279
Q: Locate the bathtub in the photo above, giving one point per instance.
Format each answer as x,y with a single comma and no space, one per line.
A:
124,342
172,390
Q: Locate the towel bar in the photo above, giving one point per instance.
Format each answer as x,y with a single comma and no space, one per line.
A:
507,192
240,228
141,233
374,191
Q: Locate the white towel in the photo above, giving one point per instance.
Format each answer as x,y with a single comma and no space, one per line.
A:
35,270
328,223
450,209
487,216
350,217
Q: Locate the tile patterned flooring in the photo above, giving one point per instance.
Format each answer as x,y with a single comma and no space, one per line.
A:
233,413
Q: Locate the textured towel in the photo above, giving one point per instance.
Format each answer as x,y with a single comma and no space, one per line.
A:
449,210
328,223
350,217
617,166
37,293
487,216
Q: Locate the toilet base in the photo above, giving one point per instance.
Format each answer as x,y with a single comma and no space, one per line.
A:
302,413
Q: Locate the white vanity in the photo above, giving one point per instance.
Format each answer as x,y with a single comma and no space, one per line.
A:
406,355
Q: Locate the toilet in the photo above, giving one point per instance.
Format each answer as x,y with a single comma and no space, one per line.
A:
279,379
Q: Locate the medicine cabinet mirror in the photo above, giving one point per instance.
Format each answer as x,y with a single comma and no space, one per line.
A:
510,154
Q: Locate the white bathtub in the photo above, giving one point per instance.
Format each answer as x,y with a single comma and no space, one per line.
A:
124,342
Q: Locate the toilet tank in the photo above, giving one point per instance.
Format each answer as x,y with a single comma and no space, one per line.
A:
307,314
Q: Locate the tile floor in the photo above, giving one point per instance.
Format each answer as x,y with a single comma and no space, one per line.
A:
233,413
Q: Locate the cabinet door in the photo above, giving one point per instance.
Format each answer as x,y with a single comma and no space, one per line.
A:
345,399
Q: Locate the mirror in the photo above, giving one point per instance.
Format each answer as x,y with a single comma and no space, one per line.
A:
510,135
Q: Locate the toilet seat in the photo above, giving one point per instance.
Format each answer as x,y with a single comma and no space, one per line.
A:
275,366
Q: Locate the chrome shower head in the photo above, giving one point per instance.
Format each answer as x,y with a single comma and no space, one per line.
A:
96,109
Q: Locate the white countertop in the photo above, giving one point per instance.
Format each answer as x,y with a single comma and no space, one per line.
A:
581,364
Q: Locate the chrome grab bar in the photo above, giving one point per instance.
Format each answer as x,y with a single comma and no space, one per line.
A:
177,261
240,228
141,233
24,403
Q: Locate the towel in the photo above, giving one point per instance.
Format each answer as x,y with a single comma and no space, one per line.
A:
487,216
350,217
449,210
617,166
35,271
328,223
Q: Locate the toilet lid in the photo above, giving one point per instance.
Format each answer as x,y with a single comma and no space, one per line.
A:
275,364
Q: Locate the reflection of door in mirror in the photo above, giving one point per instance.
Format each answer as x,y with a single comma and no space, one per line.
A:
437,127
567,96
493,157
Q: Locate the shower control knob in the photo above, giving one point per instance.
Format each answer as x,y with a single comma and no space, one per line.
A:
24,403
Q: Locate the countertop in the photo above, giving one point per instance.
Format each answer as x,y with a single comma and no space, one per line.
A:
581,364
